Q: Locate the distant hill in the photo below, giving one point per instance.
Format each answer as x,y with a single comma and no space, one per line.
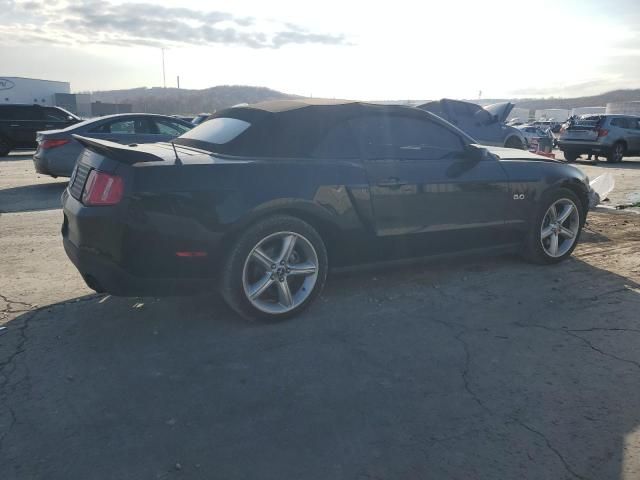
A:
185,101
569,103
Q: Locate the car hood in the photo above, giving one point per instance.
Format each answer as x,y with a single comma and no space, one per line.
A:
516,154
500,110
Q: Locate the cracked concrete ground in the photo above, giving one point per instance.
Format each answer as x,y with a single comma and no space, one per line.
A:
486,368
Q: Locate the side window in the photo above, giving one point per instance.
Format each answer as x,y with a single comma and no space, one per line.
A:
128,126
28,113
392,136
621,122
167,127
54,115
338,143
122,127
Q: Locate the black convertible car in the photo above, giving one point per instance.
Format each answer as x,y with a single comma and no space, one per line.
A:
260,200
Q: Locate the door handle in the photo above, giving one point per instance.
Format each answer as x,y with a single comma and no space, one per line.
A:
13,125
391,182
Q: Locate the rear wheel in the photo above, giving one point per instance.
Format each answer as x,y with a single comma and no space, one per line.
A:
617,153
556,228
275,270
570,156
5,147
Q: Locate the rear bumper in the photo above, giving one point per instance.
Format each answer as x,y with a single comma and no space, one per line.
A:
132,257
105,276
40,165
583,146
50,166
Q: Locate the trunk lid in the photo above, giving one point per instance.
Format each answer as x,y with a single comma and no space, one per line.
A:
585,128
500,110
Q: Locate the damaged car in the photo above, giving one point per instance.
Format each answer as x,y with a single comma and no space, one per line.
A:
487,125
260,201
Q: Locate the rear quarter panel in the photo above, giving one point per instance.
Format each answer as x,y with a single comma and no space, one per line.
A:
226,195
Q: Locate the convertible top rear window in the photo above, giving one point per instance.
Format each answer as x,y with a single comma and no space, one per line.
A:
218,131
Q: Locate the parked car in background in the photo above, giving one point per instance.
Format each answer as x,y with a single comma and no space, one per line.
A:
612,136
201,117
57,149
19,124
261,200
184,118
485,124
538,138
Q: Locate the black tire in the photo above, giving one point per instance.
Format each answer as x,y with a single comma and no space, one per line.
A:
570,156
533,245
5,147
231,283
514,143
616,153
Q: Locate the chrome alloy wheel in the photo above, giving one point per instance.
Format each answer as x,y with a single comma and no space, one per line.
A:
560,227
280,272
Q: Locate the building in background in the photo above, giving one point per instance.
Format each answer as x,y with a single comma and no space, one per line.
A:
624,108
99,109
52,93
31,90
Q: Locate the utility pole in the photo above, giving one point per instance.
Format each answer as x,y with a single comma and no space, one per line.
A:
178,78
164,79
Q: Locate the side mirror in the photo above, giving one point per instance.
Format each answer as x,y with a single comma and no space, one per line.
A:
474,153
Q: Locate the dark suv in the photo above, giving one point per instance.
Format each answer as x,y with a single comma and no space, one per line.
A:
19,124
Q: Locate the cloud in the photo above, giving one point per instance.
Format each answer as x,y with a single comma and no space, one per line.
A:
144,24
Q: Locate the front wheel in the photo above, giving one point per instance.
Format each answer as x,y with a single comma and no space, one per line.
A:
555,230
275,270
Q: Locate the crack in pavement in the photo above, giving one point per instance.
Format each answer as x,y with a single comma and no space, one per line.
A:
8,366
465,374
550,447
8,309
467,385
585,341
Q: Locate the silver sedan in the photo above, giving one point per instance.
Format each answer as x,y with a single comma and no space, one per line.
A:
58,151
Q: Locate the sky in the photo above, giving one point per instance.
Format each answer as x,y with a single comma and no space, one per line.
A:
394,50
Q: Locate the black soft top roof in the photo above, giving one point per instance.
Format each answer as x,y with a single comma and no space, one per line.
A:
293,128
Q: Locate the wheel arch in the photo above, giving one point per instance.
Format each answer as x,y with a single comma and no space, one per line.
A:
515,137
581,191
326,224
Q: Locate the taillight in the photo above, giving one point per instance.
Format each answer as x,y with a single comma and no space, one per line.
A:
602,132
102,189
53,143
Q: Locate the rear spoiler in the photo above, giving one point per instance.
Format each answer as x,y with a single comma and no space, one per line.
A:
116,151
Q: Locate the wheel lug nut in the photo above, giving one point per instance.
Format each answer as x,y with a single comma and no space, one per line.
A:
273,267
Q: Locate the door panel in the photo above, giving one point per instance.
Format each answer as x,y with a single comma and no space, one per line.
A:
425,183
421,196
